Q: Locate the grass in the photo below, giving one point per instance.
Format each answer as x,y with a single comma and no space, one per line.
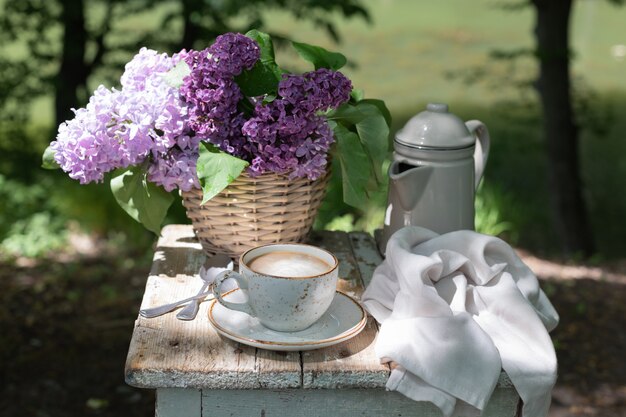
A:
404,55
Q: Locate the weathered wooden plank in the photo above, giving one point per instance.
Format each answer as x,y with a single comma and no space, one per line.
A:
366,254
175,402
278,370
167,352
341,402
178,252
352,364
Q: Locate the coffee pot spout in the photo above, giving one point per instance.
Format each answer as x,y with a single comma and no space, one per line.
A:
407,182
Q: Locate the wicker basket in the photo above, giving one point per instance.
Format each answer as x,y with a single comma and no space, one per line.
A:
251,212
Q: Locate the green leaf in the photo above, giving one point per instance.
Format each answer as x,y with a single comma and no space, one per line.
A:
260,80
357,95
47,159
142,200
319,57
382,108
174,77
372,131
355,166
245,106
263,78
269,98
216,169
265,44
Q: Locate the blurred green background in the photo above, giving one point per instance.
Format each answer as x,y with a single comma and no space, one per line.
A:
411,53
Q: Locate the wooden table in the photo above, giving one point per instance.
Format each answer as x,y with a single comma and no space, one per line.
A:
198,373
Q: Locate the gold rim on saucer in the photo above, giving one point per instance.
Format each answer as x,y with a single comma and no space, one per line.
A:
353,331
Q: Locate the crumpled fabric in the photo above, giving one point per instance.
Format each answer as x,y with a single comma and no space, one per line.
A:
454,310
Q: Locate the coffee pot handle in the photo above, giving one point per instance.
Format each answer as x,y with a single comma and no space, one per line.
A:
478,129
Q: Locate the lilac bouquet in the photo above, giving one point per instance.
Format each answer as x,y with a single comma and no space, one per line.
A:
198,119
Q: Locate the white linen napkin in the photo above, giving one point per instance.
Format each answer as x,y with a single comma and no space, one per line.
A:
455,309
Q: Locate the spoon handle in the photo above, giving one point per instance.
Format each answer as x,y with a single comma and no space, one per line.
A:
159,311
190,311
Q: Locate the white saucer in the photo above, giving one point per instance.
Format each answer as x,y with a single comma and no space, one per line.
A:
344,319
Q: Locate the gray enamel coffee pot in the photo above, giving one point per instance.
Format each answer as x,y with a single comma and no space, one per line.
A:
437,165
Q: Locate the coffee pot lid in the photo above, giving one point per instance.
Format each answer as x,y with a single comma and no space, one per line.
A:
435,128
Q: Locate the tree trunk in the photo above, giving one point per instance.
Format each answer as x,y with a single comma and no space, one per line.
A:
560,130
191,30
72,74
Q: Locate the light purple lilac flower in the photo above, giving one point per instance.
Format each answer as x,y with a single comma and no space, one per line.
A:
142,72
175,169
118,129
105,135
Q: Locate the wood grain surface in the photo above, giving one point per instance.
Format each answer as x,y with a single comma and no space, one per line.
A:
166,352
353,363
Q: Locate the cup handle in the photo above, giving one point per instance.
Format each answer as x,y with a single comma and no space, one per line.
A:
478,129
243,284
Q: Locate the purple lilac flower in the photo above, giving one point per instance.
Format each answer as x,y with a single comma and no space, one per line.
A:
175,169
150,119
315,91
157,103
284,136
210,89
257,167
284,143
236,143
105,135
287,136
313,153
121,128
234,52
139,73
144,81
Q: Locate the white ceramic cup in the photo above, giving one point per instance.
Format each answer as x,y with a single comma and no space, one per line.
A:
281,303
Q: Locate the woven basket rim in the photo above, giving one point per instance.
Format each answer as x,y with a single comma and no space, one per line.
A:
267,176
251,211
